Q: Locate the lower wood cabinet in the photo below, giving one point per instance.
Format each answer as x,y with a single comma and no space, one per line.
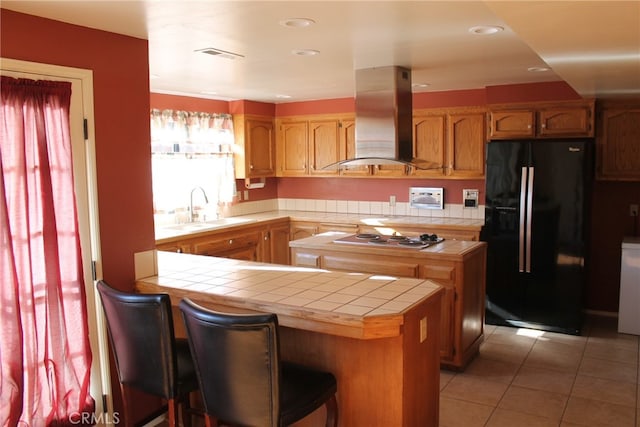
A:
302,229
234,245
275,244
463,279
263,243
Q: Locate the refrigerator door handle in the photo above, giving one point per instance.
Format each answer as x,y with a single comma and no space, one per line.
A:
529,219
523,204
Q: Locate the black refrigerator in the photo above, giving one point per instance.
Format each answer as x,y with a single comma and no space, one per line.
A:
537,198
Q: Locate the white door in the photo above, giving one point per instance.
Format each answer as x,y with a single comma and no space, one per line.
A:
87,201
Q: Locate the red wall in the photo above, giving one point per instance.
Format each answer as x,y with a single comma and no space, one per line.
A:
370,189
121,106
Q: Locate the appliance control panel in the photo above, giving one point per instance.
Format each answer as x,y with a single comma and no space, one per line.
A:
426,197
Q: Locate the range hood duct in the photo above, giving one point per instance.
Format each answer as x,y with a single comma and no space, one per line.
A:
384,116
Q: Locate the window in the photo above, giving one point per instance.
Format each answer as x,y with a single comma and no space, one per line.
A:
192,165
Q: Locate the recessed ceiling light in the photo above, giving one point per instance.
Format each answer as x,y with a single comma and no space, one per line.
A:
305,52
420,85
297,22
209,92
280,96
482,30
537,69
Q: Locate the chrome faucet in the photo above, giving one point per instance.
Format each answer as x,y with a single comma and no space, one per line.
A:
206,200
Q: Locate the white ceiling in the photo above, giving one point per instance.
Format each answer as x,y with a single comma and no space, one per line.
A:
592,45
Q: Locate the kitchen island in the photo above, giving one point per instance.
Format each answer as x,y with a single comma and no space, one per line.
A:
378,335
458,266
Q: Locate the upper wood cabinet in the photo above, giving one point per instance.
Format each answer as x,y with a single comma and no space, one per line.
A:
512,124
429,142
618,141
453,138
542,120
465,145
348,141
254,138
324,146
306,145
292,148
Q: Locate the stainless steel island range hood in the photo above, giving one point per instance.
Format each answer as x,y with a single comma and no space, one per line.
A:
384,125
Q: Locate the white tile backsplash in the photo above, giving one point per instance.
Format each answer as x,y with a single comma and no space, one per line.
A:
354,207
145,264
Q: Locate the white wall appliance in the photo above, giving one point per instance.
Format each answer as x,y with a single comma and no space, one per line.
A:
629,312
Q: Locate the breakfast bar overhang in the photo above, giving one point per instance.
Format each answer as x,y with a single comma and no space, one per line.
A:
379,335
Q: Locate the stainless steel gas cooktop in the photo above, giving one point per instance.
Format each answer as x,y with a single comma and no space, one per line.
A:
420,242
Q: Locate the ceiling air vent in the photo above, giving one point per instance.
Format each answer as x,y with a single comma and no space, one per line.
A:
220,53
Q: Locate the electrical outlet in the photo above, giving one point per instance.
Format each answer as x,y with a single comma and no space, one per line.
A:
392,200
633,210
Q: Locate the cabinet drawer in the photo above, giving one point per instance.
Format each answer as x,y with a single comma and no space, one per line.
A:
306,259
443,274
345,228
374,266
218,246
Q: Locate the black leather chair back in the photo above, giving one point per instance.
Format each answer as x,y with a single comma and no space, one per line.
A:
141,332
238,364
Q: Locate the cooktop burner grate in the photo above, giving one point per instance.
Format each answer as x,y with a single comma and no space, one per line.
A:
421,242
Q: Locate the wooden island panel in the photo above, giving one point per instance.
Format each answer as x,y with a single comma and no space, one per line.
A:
381,342
458,266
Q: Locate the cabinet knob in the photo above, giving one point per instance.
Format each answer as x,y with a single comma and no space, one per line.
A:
251,167
230,241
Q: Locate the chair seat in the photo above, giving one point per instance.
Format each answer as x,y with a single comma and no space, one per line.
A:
303,391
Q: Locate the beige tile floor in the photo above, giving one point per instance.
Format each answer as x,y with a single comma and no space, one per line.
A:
522,378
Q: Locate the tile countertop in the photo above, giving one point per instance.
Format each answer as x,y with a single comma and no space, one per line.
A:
353,305
177,230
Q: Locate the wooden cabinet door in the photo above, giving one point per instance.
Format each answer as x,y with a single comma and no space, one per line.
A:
348,144
512,124
429,133
260,148
618,144
324,146
444,273
560,122
466,145
279,244
292,149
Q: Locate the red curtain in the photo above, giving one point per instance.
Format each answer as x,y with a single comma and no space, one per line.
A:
45,357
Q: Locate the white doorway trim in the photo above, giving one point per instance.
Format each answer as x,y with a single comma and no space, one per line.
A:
84,166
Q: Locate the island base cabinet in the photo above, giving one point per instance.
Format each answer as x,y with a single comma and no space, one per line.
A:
391,382
462,279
